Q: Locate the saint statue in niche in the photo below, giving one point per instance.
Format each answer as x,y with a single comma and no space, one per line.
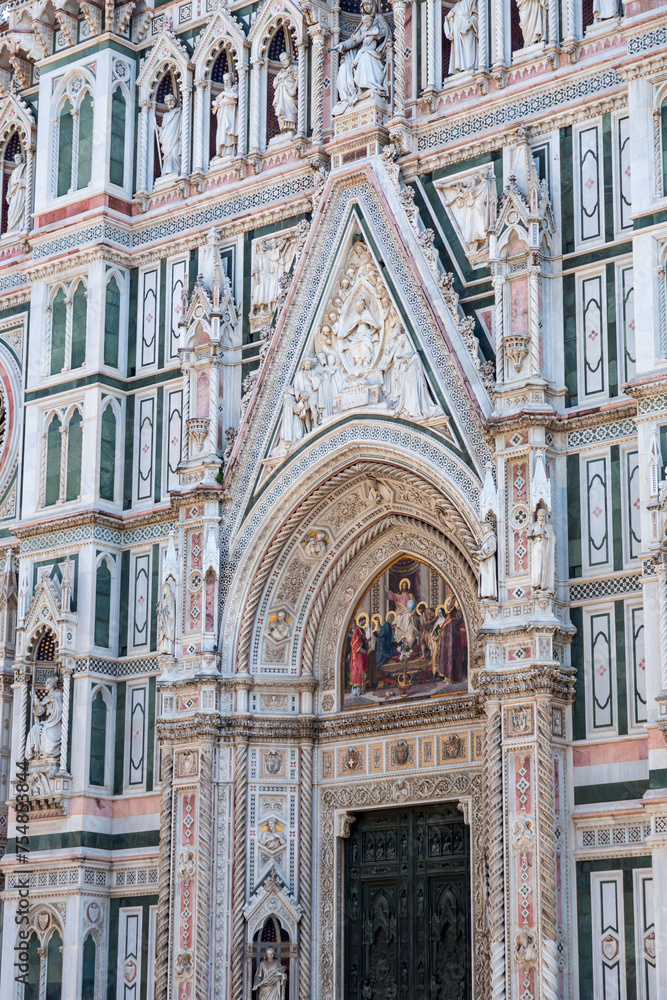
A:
169,133
406,638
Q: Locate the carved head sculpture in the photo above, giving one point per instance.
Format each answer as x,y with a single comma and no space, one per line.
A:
270,953
307,363
280,616
541,516
18,159
228,79
285,59
322,358
170,101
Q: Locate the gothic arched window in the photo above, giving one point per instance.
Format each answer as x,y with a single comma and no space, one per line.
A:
108,455
85,142
31,988
54,967
53,446
88,972
117,151
102,604
79,325
74,456
65,140
111,323
58,331
98,729
46,648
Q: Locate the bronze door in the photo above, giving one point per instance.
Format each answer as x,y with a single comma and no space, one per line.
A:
407,905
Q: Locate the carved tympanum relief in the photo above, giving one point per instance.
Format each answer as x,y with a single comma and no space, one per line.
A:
272,257
362,356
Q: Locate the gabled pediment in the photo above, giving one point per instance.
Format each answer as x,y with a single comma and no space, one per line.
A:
15,113
272,898
404,303
167,50
222,27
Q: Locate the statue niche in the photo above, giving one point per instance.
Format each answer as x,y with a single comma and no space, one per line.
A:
223,126
282,87
168,120
363,356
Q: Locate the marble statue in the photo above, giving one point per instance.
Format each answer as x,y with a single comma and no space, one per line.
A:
44,735
604,9
279,628
225,107
271,259
363,356
286,85
270,978
542,553
363,69
316,546
291,425
470,202
271,838
16,188
533,19
330,384
169,134
486,553
405,381
166,619
307,385
461,27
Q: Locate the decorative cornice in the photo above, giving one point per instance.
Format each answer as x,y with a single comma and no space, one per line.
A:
540,679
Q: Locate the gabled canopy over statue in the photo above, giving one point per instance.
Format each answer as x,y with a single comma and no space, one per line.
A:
363,69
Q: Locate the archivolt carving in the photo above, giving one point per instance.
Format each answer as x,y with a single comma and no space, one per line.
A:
407,487
337,599
387,792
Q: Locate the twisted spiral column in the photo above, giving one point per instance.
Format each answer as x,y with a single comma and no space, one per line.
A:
534,294
163,950
64,728
317,112
547,854
662,619
493,785
239,878
305,872
255,100
399,58
204,868
23,717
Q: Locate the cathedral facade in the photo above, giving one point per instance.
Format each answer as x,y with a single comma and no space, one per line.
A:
338,669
